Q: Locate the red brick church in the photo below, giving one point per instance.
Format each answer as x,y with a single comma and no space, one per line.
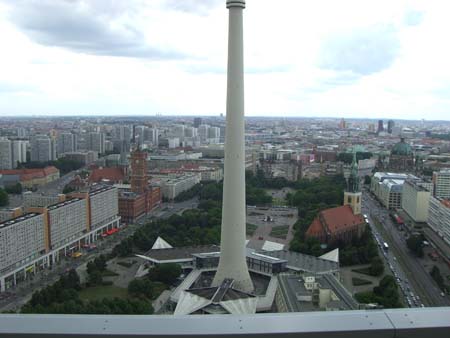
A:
336,224
341,223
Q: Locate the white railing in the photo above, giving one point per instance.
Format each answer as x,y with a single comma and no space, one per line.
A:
427,322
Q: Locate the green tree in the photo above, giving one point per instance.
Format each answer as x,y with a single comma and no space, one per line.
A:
141,287
414,243
436,274
376,267
68,189
165,273
4,199
95,278
14,189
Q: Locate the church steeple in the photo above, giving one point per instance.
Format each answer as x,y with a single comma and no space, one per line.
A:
353,179
352,195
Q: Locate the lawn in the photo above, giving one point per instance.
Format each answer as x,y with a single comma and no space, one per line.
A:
126,264
365,271
100,292
250,229
280,231
280,202
109,273
359,281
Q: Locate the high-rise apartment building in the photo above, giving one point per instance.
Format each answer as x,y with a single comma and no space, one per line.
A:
190,132
67,221
441,182
178,131
416,200
380,126
43,149
96,142
439,217
214,133
66,143
39,237
197,122
390,126
22,239
21,132
19,152
139,134
5,154
203,132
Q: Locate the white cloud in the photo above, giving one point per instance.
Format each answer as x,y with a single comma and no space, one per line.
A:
303,58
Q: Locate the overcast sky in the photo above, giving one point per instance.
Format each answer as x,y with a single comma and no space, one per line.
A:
386,59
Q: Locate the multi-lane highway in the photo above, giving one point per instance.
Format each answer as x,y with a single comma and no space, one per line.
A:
415,282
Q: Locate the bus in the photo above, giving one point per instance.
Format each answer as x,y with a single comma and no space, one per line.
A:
385,246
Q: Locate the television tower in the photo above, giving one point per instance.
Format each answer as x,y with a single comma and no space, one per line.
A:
232,262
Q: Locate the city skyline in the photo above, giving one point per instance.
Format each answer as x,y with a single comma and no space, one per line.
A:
381,60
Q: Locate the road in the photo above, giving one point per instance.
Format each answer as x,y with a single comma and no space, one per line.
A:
415,282
16,298
57,186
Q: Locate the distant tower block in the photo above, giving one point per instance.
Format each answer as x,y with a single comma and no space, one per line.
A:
353,195
232,262
139,177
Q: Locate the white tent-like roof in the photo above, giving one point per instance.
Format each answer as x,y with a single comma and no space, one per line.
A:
189,303
272,246
331,256
160,243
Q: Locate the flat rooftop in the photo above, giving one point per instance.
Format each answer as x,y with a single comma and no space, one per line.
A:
63,204
301,262
184,252
19,219
293,287
95,190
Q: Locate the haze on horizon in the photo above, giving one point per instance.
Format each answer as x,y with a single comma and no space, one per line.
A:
353,59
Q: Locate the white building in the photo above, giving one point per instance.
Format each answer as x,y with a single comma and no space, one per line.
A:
43,149
5,154
96,142
178,131
104,205
64,227
19,152
441,181
172,186
174,142
214,134
22,240
85,157
67,221
388,188
203,132
416,200
190,132
439,217
31,200
66,143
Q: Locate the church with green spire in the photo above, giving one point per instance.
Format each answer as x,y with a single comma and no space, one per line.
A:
352,194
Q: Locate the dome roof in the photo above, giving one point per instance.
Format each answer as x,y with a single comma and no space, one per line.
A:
402,148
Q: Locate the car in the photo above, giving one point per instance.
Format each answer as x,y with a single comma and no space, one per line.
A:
442,294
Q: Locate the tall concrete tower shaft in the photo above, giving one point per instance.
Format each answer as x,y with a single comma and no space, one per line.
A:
232,262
